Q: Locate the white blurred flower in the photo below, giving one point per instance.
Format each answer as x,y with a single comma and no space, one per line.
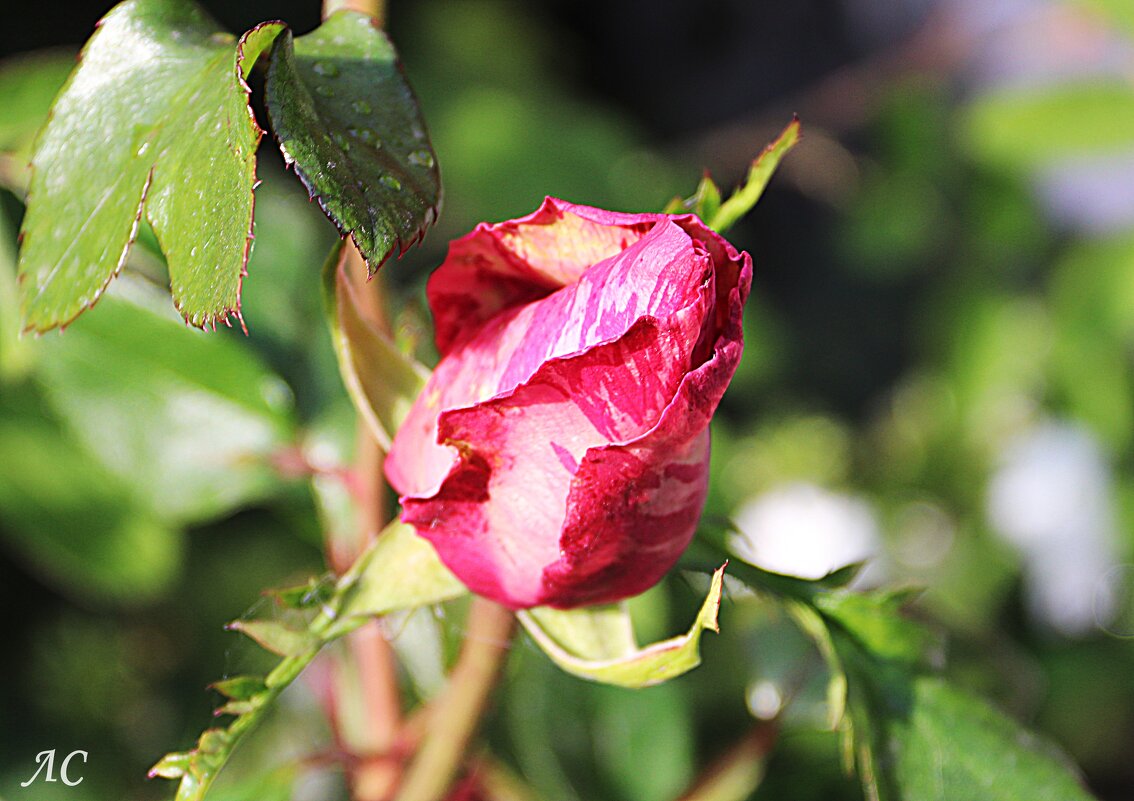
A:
804,530
1051,499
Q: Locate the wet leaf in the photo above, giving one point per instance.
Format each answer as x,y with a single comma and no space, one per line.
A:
154,120
598,644
349,124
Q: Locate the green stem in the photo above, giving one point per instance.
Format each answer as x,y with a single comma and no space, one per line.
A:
455,714
736,774
366,686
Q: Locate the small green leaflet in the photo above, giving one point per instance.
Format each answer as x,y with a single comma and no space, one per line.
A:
154,120
598,644
399,570
720,216
348,122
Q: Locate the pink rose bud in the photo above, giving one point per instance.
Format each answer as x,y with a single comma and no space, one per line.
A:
559,455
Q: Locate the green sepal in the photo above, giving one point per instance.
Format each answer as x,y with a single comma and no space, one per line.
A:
400,570
598,643
312,594
747,194
706,201
382,381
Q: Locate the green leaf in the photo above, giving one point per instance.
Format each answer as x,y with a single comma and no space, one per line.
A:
876,622
952,745
78,525
349,123
745,197
919,737
124,380
240,688
171,766
911,734
598,644
154,120
1025,129
382,381
400,570
276,637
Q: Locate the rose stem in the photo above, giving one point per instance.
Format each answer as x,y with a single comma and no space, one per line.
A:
737,773
455,713
372,685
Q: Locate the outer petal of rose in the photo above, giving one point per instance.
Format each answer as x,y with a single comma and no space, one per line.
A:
496,518
664,271
634,506
501,265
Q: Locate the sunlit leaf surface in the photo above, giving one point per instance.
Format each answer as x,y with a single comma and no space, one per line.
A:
348,123
155,120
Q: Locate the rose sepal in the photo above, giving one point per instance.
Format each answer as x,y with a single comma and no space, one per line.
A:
597,643
720,216
382,381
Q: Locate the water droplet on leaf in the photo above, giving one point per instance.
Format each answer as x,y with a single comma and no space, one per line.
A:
365,135
361,106
324,91
326,68
390,182
421,158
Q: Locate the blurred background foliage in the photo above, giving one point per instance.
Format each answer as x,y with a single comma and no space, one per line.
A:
938,379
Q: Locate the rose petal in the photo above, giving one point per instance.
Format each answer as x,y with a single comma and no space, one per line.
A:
559,454
496,518
656,276
498,266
